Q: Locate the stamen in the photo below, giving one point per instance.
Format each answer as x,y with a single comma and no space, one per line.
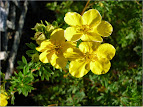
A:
90,57
83,29
55,48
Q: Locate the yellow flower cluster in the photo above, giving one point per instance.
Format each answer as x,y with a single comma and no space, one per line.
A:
3,99
90,55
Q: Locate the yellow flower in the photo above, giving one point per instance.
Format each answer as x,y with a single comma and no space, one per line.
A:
88,27
90,56
53,49
3,99
101,4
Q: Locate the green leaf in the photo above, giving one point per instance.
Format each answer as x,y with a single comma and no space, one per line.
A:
24,60
20,62
15,73
19,67
30,52
31,45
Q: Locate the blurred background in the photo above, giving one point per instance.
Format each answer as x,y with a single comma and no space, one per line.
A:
122,85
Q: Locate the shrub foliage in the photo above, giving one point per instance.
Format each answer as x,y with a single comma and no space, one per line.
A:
122,85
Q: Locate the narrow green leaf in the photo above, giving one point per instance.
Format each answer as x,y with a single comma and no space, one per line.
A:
24,60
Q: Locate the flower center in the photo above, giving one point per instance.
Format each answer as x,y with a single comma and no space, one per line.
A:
56,48
83,29
90,57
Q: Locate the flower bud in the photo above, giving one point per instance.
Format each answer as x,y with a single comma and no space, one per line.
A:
39,37
50,28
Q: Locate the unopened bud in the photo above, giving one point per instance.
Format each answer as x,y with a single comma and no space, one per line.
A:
39,37
101,4
50,28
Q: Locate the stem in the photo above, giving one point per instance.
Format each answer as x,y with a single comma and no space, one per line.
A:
85,7
137,2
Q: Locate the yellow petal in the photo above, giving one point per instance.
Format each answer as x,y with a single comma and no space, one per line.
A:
67,44
100,67
78,68
85,47
57,35
71,35
45,57
3,102
104,29
73,54
106,51
91,17
2,96
91,37
45,45
88,46
58,61
73,19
